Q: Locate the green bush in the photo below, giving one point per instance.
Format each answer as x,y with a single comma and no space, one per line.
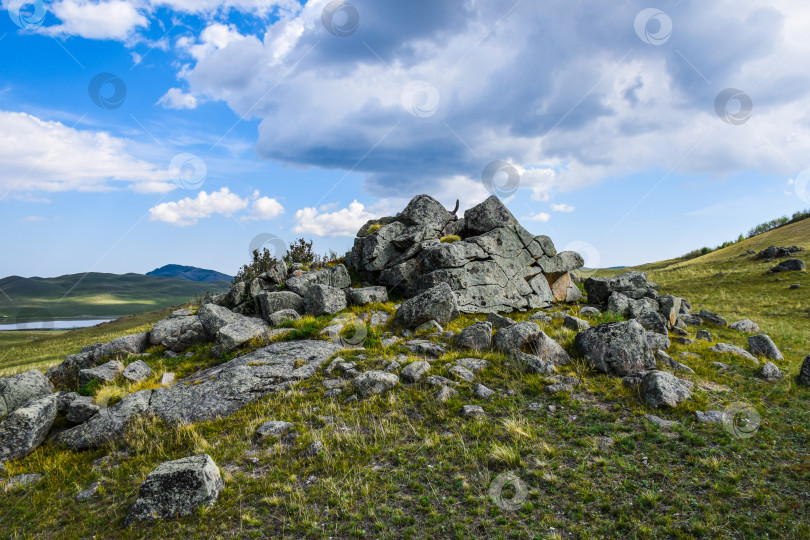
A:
450,239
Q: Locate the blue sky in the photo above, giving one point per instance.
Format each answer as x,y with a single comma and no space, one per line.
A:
137,133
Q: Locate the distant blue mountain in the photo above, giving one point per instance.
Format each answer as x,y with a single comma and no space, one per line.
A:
190,273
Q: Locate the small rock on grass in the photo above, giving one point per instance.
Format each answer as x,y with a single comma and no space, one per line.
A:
710,417
445,393
763,345
313,449
272,428
462,374
472,411
88,493
770,372
704,335
482,392
804,373
660,422
415,371
22,480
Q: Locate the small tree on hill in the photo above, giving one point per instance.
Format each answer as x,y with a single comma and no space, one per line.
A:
262,262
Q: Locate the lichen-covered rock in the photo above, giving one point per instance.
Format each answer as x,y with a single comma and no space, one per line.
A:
770,372
618,348
531,363
804,373
177,488
336,276
214,317
17,390
477,337
657,342
746,325
137,371
26,427
240,332
320,299
105,373
662,389
414,371
367,295
282,315
549,350
178,334
272,302
631,284
518,336
438,304
763,345
711,317
273,428
727,348
370,383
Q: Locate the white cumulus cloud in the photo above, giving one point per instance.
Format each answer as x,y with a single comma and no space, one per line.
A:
188,211
115,19
175,98
539,216
562,207
264,208
343,222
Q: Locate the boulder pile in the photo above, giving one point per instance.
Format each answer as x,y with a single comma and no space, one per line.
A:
487,258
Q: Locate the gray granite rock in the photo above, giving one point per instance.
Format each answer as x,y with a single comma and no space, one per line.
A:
26,427
763,345
662,389
137,371
17,390
618,348
477,337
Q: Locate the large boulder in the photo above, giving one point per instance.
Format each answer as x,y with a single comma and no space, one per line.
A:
177,488
632,284
477,337
17,390
516,337
497,265
214,317
132,344
105,373
804,373
137,371
662,389
437,304
66,374
336,276
367,295
320,299
26,427
746,325
790,265
218,391
549,350
763,345
178,334
240,332
618,348
370,383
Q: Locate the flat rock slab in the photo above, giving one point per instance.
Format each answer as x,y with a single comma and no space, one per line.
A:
215,392
177,488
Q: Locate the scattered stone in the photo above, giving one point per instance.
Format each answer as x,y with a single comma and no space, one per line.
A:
320,299
331,384
710,417
618,348
663,357
23,480
804,372
549,350
535,406
438,303
392,367
105,373
660,388
482,392
367,295
462,374
177,488
414,372
438,380
558,388
313,449
214,317
282,316
89,492
711,317
81,409
691,320
138,370
726,348
770,372
660,422
423,347
746,325
540,317
790,265
445,393
472,411
477,337
678,331
473,364
17,390
517,336
26,427
604,443
167,379
578,325
773,252
631,284
657,342
704,335
370,383
499,321
431,327
763,345
720,365
683,341
531,363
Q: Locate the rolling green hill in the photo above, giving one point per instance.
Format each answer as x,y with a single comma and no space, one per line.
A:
95,294
191,273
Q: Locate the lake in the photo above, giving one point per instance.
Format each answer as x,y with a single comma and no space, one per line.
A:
58,324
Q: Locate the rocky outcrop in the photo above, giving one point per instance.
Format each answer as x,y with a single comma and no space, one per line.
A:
497,265
26,427
774,252
177,488
210,393
632,285
790,265
436,304
178,334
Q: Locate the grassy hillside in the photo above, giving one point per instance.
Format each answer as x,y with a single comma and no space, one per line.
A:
407,466
95,294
